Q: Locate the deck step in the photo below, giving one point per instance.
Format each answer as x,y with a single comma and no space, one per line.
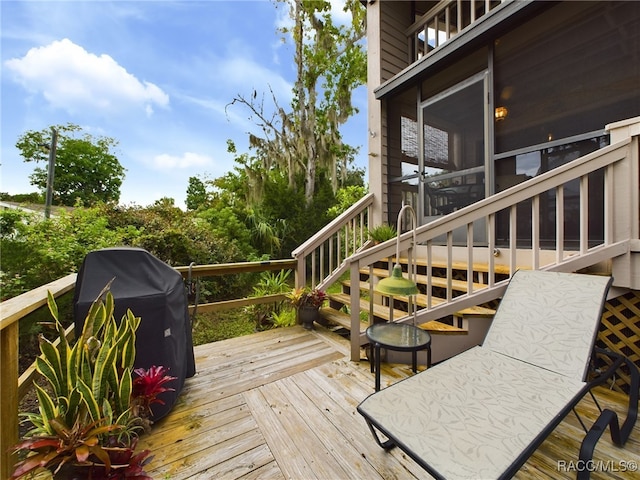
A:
457,285
434,326
459,266
382,312
379,311
342,319
421,300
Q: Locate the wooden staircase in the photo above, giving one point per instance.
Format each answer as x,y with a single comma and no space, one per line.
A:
451,335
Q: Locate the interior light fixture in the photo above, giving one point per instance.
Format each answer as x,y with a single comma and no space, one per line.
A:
501,113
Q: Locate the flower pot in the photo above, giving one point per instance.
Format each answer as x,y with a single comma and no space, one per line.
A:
308,315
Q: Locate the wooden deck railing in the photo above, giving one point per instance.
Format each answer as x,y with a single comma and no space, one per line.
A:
324,254
13,388
443,22
435,240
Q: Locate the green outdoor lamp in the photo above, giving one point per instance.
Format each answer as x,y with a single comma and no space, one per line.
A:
396,285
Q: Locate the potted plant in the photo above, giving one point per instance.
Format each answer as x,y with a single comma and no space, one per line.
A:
92,410
307,302
382,233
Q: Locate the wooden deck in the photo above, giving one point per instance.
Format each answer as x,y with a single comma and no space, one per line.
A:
282,404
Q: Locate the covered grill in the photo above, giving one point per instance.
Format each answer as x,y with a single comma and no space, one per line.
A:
156,293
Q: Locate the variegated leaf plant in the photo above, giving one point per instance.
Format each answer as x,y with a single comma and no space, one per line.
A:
88,402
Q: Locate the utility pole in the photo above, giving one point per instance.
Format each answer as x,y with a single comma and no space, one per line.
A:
50,173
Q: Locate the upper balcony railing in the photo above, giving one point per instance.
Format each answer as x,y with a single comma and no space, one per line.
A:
443,22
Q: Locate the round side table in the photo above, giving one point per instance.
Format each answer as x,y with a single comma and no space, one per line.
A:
401,337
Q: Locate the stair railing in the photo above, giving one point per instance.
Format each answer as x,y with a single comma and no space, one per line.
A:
321,259
618,161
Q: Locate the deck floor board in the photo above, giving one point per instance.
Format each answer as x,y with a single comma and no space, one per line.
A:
282,404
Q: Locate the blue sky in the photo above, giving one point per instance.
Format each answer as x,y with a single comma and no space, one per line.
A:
154,75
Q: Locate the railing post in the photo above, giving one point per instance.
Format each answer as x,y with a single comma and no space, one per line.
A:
301,272
354,278
9,396
627,174
626,200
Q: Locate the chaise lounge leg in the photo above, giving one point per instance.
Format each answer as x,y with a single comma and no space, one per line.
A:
388,445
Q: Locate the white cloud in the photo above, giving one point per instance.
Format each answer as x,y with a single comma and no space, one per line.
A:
187,160
73,79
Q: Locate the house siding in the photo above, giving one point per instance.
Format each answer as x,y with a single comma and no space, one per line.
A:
388,56
395,18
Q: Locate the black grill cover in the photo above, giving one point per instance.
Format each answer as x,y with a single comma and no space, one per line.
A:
153,291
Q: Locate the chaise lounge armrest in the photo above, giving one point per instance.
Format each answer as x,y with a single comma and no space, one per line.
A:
609,418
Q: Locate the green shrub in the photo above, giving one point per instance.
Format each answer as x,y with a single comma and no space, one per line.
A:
270,283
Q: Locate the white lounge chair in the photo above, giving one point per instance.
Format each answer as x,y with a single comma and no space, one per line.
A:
482,413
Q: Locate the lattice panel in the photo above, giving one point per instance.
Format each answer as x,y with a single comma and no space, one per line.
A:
620,331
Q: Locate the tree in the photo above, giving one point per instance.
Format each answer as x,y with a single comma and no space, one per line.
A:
331,63
86,169
196,194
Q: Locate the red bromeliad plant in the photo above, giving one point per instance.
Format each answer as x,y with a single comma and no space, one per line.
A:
78,453
125,464
71,445
146,388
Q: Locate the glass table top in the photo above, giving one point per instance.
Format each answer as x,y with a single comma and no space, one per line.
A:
398,335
